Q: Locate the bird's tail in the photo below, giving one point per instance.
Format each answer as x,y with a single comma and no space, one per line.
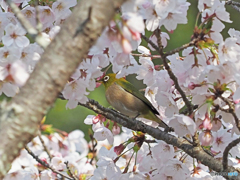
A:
162,124
165,126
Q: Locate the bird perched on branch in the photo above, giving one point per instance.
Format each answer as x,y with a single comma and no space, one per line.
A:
125,98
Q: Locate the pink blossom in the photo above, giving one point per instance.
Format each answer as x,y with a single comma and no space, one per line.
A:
58,163
46,14
176,169
116,129
103,133
207,122
30,14
61,6
221,140
15,34
182,125
206,138
119,149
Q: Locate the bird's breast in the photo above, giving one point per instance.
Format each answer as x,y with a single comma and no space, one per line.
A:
124,101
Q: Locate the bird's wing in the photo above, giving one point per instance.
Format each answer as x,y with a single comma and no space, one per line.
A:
127,86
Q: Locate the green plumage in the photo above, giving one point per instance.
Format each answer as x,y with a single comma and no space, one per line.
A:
124,97
127,86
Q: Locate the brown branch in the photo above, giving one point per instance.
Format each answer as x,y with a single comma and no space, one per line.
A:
146,55
234,5
175,80
191,43
44,145
171,74
20,117
149,42
195,152
225,154
46,164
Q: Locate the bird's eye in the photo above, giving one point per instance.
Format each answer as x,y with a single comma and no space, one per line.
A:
106,78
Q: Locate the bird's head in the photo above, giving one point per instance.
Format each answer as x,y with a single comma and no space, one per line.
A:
108,79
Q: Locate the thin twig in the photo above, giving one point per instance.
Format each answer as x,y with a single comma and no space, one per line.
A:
44,145
225,153
92,150
191,43
45,164
146,55
234,5
171,74
70,172
149,42
231,110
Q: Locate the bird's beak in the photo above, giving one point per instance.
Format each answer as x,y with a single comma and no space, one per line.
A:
100,79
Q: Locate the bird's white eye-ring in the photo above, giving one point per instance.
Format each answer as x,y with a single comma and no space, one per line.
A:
106,78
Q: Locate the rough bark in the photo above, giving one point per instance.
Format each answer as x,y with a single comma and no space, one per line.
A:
20,117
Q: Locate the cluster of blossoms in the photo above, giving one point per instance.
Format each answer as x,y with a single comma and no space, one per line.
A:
207,72
62,147
18,56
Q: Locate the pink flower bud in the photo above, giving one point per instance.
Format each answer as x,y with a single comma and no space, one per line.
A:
96,119
206,138
157,67
126,46
116,130
107,125
237,101
136,36
207,123
119,149
191,86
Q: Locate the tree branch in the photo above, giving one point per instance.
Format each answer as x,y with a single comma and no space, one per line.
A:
234,5
20,117
44,145
70,172
46,164
225,154
195,152
231,110
171,74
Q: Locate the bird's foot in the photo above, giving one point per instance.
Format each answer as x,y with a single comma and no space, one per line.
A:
114,110
136,116
168,129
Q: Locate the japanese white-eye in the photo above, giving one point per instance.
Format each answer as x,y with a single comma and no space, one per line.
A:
125,98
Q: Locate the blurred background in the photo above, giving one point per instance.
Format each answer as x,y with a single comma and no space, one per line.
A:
71,119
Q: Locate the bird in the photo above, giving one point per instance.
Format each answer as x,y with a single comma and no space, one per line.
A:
128,100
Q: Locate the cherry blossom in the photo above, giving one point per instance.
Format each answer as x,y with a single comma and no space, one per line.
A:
221,140
61,7
15,34
183,125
